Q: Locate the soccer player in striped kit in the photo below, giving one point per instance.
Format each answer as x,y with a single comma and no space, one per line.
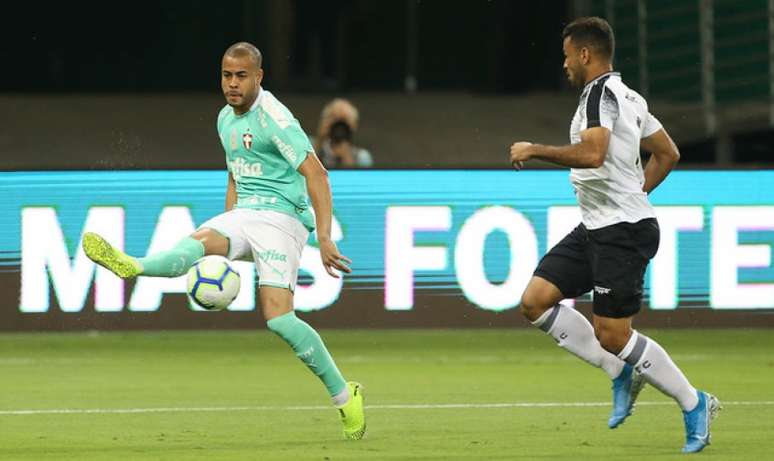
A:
610,250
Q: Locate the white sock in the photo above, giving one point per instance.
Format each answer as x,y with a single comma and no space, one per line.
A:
653,362
574,333
341,399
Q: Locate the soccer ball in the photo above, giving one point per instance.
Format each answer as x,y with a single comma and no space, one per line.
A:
213,283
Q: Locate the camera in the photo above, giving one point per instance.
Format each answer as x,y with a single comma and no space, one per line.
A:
340,132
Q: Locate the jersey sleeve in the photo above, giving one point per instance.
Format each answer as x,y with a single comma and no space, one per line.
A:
601,108
650,125
292,143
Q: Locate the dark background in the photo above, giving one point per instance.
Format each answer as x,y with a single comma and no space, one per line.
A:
438,83
496,45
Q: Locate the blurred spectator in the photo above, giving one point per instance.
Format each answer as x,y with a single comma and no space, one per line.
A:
334,143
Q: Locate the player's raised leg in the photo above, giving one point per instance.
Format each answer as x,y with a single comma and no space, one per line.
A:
653,362
106,255
170,263
572,332
347,397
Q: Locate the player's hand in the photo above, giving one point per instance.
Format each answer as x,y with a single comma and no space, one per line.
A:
332,259
520,153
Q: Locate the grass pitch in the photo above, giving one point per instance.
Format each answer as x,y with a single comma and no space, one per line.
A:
432,395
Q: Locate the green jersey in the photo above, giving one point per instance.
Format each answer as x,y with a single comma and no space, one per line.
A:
264,148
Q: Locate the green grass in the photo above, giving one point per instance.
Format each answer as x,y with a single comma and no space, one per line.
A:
255,369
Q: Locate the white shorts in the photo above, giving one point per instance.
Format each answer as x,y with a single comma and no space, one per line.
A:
273,240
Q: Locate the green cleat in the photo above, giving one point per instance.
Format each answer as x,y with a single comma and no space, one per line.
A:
352,415
103,253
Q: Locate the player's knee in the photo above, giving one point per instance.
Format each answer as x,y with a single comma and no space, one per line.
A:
611,340
275,303
202,234
531,306
214,242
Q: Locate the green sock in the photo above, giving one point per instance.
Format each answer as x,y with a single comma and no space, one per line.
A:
174,262
308,346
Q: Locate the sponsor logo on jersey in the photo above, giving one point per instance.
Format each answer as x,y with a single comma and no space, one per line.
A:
239,168
602,290
285,149
247,140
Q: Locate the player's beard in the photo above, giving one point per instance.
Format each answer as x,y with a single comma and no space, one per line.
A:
576,77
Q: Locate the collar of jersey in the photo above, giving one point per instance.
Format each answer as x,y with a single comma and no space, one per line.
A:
606,74
256,103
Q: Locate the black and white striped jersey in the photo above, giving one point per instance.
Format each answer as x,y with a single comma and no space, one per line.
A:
613,192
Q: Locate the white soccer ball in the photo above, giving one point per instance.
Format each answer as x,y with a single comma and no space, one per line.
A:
213,283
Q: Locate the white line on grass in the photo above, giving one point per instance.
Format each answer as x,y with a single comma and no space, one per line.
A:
440,406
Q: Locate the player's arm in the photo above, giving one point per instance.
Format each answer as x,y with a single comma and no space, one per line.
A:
231,195
588,153
319,189
664,157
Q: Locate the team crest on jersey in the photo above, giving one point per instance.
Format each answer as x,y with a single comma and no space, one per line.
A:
247,140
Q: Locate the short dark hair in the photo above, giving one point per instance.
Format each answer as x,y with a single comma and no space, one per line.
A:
592,32
242,49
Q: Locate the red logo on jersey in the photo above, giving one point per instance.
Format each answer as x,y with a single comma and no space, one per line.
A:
247,140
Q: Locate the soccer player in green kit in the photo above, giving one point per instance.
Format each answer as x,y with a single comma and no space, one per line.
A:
272,170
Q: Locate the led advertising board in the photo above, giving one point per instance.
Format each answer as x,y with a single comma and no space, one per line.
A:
466,240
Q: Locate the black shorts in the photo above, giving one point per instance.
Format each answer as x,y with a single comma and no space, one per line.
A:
610,260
